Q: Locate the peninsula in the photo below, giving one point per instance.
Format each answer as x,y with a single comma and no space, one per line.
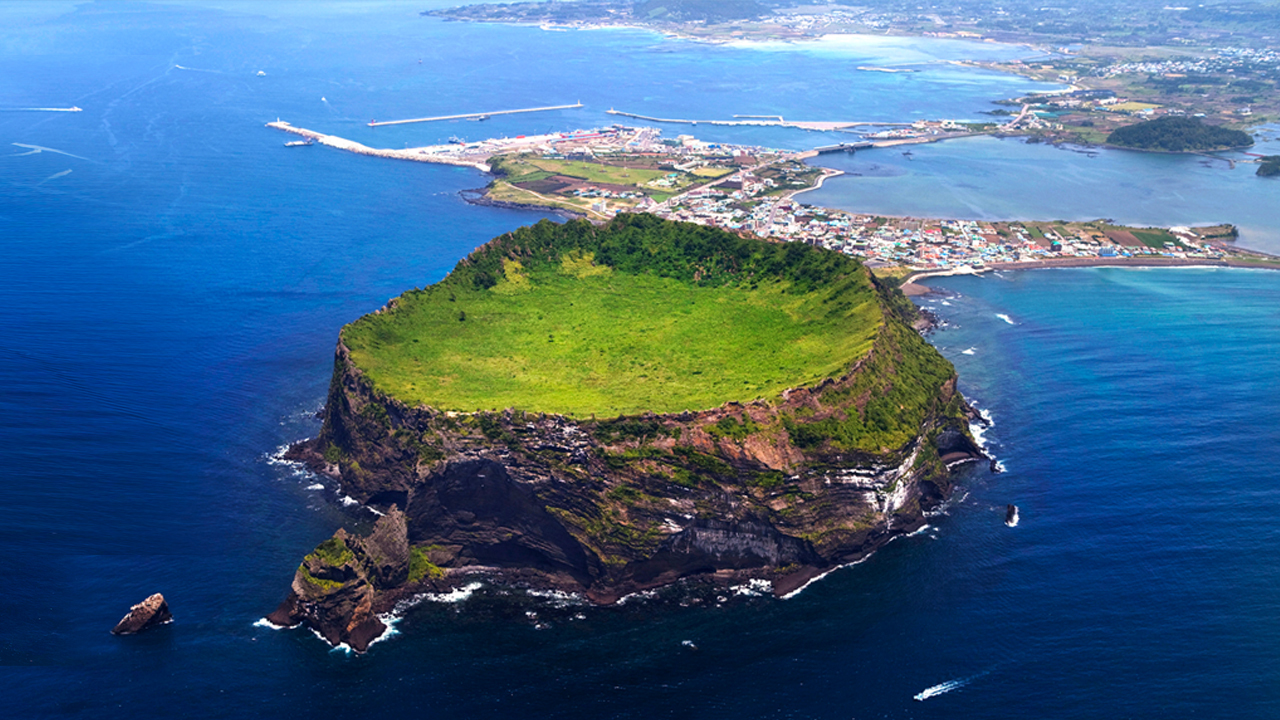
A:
604,409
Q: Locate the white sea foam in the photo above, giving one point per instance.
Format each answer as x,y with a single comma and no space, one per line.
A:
979,429
315,486
816,578
340,647
277,457
1006,318
389,619
558,598
967,352
348,501
754,587
265,623
642,595
979,433
455,595
944,302
923,529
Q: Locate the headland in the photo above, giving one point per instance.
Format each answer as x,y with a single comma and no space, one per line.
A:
603,409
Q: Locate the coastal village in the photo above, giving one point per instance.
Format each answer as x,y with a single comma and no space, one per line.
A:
756,191
753,191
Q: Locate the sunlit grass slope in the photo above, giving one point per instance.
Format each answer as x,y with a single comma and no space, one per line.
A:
639,315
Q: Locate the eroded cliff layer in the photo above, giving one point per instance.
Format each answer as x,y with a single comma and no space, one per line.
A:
781,487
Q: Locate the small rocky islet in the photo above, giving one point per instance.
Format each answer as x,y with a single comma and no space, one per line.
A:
638,464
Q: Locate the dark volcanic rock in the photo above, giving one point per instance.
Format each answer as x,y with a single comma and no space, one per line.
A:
146,614
572,505
333,590
779,489
1011,515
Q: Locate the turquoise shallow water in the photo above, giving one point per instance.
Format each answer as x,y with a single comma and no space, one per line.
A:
1007,179
171,307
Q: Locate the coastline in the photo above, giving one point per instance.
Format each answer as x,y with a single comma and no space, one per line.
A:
817,185
911,287
479,196
414,154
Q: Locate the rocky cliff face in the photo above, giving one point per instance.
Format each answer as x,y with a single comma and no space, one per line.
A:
776,489
334,588
779,489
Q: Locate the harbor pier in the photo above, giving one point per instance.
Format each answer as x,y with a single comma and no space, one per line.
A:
475,116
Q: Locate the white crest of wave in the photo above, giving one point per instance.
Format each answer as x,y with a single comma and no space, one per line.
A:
455,595
1006,318
557,598
755,587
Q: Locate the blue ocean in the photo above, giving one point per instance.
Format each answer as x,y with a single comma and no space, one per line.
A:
173,284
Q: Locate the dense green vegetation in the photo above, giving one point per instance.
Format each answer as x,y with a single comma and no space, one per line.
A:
1178,134
1270,166
639,315
420,566
899,387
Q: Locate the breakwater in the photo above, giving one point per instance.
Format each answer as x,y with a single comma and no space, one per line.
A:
431,154
480,116
765,121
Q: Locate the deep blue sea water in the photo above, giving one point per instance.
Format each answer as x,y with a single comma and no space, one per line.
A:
170,308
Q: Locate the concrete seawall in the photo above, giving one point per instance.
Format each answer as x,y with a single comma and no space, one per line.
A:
428,155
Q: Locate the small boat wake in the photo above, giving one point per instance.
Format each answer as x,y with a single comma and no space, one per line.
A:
1006,318
37,149
947,686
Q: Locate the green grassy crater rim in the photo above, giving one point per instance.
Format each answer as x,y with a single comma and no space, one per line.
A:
640,315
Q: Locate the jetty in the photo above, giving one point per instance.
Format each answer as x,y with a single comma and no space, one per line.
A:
476,116
843,147
765,121
440,154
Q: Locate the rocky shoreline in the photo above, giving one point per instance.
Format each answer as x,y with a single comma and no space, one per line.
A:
481,197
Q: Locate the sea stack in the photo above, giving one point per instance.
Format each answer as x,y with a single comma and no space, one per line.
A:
1011,515
146,614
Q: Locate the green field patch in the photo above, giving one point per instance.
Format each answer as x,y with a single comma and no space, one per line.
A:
1156,238
595,172
613,327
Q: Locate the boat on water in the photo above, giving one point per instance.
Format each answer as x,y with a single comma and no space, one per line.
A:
300,143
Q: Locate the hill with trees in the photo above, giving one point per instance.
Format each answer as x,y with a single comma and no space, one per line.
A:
1178,134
